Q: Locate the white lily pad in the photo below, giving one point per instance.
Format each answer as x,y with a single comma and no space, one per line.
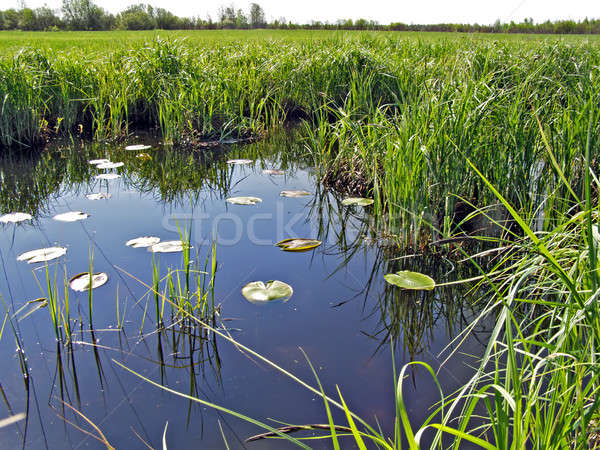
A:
167,247
143,242
108,176
239,161
357,201
95,162
98,196
138,147
410,280
110,165
81,282
15,217
243,200
258,292
71,216
42,254
273,172
144,156
294,194
298,244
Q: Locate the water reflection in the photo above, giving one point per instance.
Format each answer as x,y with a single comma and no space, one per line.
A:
342,311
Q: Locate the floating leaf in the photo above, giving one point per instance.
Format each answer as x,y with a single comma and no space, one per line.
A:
142,242
144,156
410,280
259,292
38,303
81,282
357,201
244,200
239,161
298,245
273,172
15,217
71,216
229,141
95,162
138,147
42,254
294,194
98,196
108,176
110,165
167,247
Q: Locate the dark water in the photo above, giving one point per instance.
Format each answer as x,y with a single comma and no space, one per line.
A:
342,313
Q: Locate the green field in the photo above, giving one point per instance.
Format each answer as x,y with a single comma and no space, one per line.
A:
436,128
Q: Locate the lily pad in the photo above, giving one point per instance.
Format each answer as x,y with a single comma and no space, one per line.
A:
95,162
298,244
273,172
15,217
239,161
110,165
167,247
243,200
98,196
143,242
108,176
81,282
294,194
410,280
42,254
258,292
357,201
144,156
71,216
138,147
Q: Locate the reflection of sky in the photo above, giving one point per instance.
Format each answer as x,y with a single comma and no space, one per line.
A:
333,338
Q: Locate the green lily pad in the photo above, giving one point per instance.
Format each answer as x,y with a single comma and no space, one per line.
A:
359,201
243,200
258,292
298,244
410,280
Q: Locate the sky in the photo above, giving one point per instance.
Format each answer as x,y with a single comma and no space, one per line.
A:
383,11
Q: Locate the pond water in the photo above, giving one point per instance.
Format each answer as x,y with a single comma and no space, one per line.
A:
342,313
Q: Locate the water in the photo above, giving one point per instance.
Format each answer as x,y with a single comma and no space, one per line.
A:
342,313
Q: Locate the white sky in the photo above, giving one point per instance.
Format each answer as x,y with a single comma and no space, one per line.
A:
383,11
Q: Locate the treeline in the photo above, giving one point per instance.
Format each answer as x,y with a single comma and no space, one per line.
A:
86,15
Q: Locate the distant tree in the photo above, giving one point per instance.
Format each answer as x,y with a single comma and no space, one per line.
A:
257,16
46,19
241,21
227,16
27,20
137,17
166,20
84,15
11,19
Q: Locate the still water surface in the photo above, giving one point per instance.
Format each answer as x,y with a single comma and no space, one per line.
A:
342,313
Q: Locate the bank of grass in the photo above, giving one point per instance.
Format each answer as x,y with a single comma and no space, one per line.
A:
392,116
